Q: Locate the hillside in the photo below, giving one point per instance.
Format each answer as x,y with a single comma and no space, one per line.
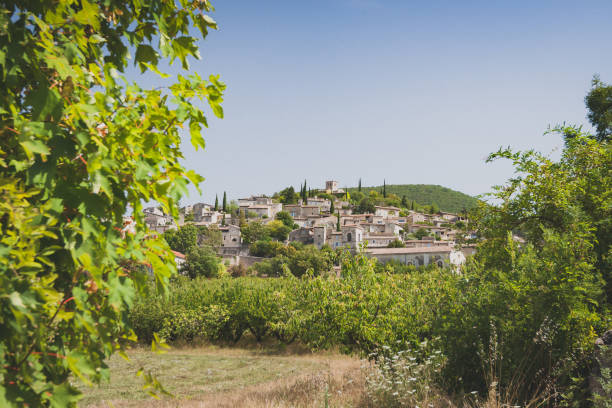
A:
427,194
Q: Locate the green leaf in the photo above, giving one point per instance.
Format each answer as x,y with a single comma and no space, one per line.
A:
64,395
183,47
157,71
145,54
34,146
196,136
89,14
45,102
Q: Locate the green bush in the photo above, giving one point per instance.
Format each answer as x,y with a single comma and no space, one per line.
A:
202,261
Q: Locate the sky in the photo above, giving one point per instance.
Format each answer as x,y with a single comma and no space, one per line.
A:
411,92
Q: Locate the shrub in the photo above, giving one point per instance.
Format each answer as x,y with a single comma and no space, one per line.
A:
202,261
405,378
238,270
396,243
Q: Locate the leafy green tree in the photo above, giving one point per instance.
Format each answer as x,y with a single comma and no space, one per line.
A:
202,261
79,146
224,208
309,258
287,196
421,233
599,105
183,238
548,297
278,230
189,217
271,249
329,197
435,209
209,235
254,231
286,218
243,218
366,206
571,195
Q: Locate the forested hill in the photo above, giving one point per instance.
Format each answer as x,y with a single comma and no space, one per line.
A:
428,194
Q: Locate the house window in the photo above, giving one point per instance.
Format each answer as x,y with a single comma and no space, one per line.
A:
349,237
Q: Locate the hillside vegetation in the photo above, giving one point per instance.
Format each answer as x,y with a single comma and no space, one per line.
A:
428,194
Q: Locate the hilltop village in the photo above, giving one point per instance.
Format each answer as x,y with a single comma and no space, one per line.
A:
327,218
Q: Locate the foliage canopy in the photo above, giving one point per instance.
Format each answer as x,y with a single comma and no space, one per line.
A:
79,146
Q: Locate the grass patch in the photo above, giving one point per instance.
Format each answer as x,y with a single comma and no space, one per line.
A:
213,376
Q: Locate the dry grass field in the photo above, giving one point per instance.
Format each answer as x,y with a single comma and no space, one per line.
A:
223,377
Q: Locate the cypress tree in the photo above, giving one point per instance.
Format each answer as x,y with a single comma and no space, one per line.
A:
305,198
404,202
359,187
332,209
224,202
384,189
338,222
223,220
412,205
216,202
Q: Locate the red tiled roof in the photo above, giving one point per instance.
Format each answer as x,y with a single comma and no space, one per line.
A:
178,254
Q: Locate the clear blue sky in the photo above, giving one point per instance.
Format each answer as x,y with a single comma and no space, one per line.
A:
407,91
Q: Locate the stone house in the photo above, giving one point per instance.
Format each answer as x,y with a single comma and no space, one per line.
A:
261,210
245,202
302,211
398,220
379,240
331,187
342,204
387,211
371,228
352,236
320,235
416,218
335,239
156,220
449,217
263,200
393,228
230,236
418,256
303,235
210,217
323,203
199,209
345,211
301,222
425,242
